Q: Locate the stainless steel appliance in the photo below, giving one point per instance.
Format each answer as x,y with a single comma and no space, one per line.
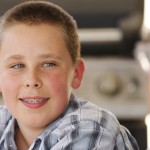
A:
117,84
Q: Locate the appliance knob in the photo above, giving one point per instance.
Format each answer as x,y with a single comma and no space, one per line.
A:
109,84
133,85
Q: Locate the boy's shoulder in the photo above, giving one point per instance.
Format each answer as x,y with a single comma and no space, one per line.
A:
89,115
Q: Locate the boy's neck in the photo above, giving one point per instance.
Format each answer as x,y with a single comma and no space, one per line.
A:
21,142
24,137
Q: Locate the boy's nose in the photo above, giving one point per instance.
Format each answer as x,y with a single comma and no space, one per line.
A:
32,81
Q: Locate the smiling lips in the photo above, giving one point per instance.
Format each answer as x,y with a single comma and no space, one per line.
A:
34,102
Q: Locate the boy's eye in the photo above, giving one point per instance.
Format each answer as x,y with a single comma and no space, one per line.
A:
49,64
17,66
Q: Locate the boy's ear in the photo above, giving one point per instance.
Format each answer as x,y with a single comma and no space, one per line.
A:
78,73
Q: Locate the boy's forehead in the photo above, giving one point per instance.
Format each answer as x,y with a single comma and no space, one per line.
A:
23,37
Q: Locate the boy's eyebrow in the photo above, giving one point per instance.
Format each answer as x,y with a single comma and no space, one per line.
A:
50,56
14,57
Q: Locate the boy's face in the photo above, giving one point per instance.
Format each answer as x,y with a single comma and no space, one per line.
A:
36,73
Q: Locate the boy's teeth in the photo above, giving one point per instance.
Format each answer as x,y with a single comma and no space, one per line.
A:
33,100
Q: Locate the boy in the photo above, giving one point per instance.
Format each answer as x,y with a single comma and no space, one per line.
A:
39,65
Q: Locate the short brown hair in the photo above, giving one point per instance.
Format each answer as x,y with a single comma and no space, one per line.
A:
39,12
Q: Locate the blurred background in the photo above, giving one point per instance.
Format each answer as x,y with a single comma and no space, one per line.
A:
109,31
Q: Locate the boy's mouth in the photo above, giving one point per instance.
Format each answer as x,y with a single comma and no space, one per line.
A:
34,102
